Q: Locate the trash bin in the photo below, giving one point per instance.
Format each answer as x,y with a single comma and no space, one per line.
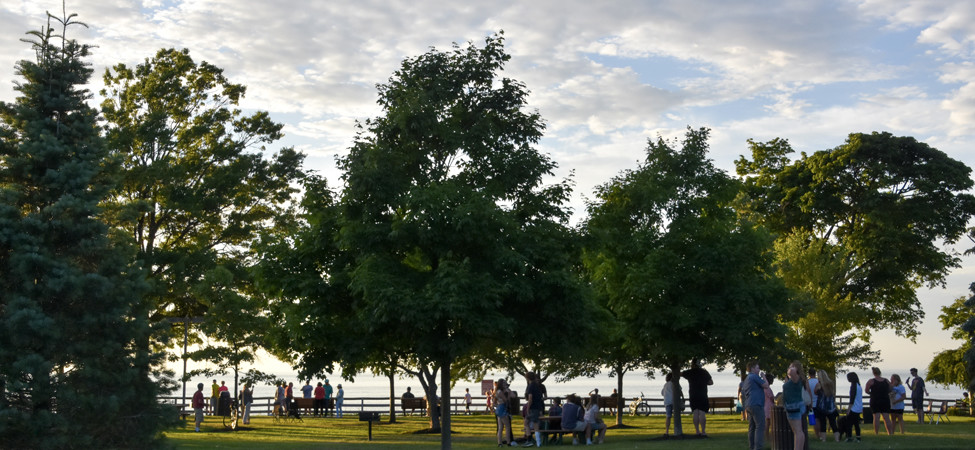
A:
223,404
867,415
781,431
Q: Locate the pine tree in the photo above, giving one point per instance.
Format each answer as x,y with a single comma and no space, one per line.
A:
71,311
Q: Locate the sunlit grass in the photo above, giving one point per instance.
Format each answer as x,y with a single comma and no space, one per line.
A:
725,431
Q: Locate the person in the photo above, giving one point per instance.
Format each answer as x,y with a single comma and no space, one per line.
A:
668,393
769,401
319,403
246,399
753,400
812,382
534,404
825,409
328,397
406,395
556,409
501,414
698,381
852,418
795,406
918,391
283,398
307,389
339,400
467,401
214,395
573,420
223,387
616,400
898,393
879,389
289,394
488,402
198,404
593,420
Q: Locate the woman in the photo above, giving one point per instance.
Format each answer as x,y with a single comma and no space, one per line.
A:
769,401
826,406
795,407
897,395
501,396
852,418
247,398
594,420
339,400
879,389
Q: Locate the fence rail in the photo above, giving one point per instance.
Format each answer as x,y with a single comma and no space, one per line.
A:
352,405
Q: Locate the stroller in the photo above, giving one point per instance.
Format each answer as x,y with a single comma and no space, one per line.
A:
293,414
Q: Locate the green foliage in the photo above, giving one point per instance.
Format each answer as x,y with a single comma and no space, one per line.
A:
956,367
71,308
195,192
684,277
858,230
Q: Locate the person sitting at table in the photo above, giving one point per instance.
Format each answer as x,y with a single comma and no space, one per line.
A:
594,421
573,418
556,409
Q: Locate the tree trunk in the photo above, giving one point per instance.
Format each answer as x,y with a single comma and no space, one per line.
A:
392,395
445,404
619,396
678,401
429,382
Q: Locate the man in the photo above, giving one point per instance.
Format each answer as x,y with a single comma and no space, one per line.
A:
307,389
698,381
535,404
467,401
754,398
198,405
328,397
573,419
283,398
405,396
918,391
214,396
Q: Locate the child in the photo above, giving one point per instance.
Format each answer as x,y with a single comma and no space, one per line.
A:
198,404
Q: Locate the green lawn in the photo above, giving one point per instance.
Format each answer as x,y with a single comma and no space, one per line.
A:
725,431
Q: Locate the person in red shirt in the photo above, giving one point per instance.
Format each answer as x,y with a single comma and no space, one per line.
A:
319,402
198,404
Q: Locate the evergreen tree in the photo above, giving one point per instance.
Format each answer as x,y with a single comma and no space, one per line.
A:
70,305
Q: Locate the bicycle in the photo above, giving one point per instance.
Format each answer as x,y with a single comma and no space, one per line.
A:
639,406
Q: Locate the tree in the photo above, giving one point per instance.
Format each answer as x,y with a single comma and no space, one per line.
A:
71,305
858,230
458,247
196,188
670,257
956,367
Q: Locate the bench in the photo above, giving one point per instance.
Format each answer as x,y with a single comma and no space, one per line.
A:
304,404
414,404
723,402
607,403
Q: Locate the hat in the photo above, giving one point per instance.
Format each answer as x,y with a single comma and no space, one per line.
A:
340,385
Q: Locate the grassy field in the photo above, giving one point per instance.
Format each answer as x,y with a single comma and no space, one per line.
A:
725,431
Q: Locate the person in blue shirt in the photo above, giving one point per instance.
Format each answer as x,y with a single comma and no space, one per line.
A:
753,392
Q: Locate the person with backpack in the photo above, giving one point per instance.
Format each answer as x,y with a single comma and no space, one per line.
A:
825,409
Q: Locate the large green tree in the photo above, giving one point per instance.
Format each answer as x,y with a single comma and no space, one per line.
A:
71,307
459,248
670,257
956,367
859,229
197,188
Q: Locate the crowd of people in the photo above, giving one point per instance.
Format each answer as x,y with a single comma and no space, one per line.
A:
814,391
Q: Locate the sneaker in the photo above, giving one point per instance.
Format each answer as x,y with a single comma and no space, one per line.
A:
513,444
528,444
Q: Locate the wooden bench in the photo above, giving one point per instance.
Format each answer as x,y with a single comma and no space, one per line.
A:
304,404
607,403
414,404
723,402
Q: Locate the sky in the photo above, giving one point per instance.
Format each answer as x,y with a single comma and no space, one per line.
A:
606,76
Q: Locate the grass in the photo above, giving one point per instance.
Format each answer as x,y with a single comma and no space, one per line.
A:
725,431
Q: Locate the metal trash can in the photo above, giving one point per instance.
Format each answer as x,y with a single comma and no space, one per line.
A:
781,432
